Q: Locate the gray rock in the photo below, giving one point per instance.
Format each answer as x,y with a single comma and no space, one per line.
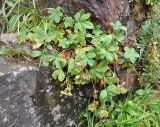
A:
27,101
9,39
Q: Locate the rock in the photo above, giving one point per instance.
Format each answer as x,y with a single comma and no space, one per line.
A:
9,39
129,78
102,11
28,98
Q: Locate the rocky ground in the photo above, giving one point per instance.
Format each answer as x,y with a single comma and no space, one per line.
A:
28,98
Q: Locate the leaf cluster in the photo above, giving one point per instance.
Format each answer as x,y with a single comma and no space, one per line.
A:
77,50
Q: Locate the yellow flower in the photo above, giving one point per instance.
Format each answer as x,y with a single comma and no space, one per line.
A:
121,89
103,114
93,106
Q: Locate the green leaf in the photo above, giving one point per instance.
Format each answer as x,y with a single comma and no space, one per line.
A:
13,23
58,73
89,48
64,43
109,79
106,39
97,31
56,14
91,55
131,54
45,63
36,54
55,74
58,34
85,17
70,64
118,26
49,47
78,26
37,45
109,56
120,36
61,75
58,63
77,16
103,94
113,48
91,62
87,25
68,22
140,92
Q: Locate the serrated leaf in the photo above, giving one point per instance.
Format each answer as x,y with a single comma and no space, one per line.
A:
87,25
77,16
97,31
118,26
109,56
64,43
58,34
131,54
85,17
56,14
68,22
113,48
106,39
78,26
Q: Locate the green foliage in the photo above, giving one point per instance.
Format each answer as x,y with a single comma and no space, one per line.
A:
152,2
11,52
119,30
55,14
131,54
17,13
77,50
135,110
149,2
149,48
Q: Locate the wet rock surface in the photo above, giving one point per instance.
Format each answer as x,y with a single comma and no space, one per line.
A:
28,98
102,11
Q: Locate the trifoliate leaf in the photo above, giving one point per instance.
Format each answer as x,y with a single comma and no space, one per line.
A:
58,74
131,54
56,14
106,39
68,22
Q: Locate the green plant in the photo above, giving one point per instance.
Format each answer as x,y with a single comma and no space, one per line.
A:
11,52
149,2
17,13
149,48
135,110
77,50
